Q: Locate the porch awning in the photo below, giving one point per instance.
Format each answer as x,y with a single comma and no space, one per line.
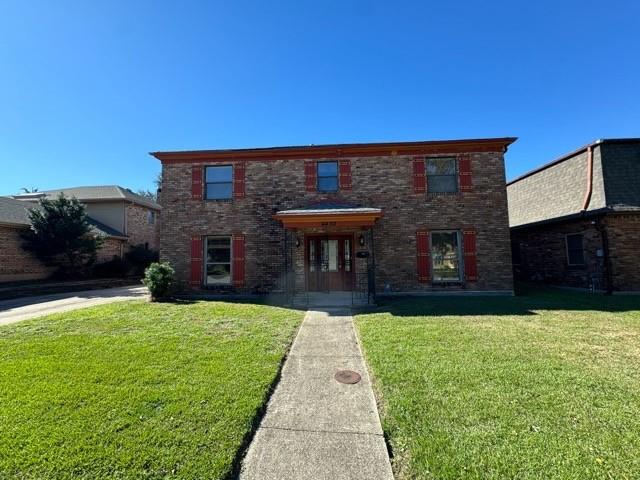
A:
329,217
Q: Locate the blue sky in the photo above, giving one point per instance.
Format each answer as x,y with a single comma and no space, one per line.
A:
87,89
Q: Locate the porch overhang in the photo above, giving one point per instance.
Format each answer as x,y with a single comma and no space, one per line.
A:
329,217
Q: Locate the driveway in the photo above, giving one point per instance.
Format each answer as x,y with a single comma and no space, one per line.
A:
18,309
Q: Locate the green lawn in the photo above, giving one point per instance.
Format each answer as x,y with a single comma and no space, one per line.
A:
544,385
136,390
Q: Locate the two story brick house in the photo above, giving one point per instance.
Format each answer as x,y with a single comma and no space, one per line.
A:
378,217
575,221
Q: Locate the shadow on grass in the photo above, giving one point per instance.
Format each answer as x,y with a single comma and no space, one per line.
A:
528,299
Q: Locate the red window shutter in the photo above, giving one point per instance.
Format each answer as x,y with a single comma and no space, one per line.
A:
470,254
464,172
238,252
196,182
196,261
238,179
424,256
419,179
345,174
310,175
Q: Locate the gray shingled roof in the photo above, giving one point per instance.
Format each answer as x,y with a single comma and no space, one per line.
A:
14,212
93,194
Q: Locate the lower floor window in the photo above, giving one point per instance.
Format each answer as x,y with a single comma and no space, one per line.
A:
218,261
575,251
445,255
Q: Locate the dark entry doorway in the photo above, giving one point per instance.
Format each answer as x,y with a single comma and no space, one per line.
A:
329,262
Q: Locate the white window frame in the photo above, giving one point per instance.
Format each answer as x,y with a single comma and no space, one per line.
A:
206,184
566,246
459,252
206,260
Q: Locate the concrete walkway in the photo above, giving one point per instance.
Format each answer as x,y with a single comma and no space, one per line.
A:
314,426
18,309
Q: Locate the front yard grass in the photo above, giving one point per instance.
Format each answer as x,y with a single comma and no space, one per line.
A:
544,385
136,390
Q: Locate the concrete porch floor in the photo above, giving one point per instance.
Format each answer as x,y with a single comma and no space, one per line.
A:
329,299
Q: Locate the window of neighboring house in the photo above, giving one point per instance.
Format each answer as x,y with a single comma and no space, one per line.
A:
219,182
445,256
151,217
218,261
575,251
442,175
327,176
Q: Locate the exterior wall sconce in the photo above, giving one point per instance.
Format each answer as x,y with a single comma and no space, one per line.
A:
297,242
361,240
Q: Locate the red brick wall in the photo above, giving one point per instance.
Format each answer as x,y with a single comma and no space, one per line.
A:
111,247
544,257
384,182
624,249
138,228
16,263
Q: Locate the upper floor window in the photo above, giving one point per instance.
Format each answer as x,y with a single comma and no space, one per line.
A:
575,251
442,175
219,182
446,257
327,176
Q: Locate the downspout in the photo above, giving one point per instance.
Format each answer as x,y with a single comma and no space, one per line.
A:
587,195
601,227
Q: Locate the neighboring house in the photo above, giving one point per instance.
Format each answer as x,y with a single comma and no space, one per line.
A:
387,217
576,221
128,215
17,264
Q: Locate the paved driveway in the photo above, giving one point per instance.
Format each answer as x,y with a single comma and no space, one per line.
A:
17,309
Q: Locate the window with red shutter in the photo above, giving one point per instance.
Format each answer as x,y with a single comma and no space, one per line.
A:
238,179
423,256
310,175
419,180
196,182
464,172
345,174
196,261
470,254
238,253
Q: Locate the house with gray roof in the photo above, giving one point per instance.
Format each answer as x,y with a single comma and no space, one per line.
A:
121,217
576,221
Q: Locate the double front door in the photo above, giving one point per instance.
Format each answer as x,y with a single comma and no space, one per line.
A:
329,262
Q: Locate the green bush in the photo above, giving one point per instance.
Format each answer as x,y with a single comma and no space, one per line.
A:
140,257
116,267
159,278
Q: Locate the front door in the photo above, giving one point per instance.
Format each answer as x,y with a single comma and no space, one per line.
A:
329,262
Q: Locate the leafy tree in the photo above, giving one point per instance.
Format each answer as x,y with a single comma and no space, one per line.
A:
61,235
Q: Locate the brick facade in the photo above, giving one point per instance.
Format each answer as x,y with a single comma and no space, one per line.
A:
548,203
139,229
543,254
17,264
384,182
111,247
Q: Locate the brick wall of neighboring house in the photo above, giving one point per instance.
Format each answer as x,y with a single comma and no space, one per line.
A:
624,243
112,247
543,254
383,182
139,230
17,264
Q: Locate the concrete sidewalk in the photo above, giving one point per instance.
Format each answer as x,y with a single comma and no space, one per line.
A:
18,309
314,426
